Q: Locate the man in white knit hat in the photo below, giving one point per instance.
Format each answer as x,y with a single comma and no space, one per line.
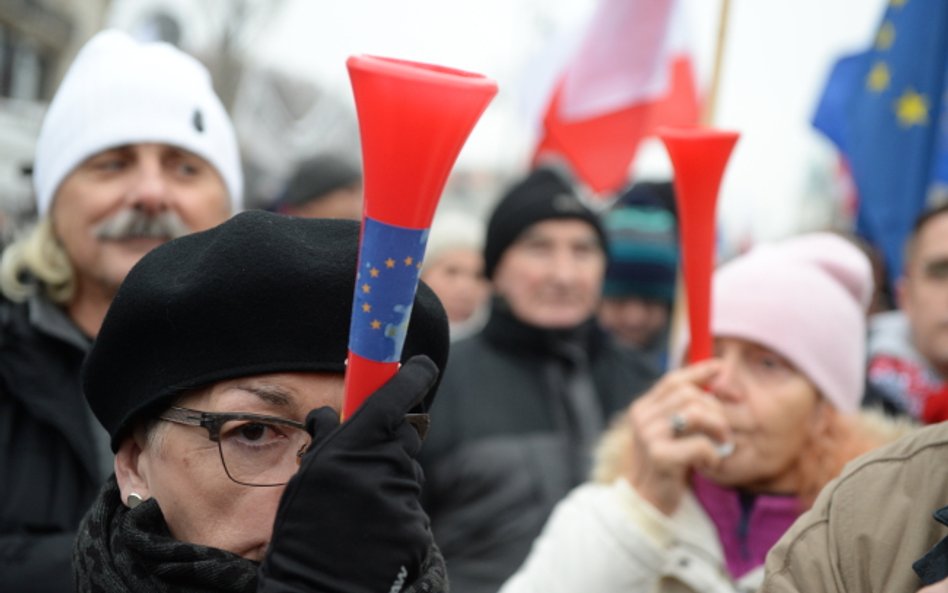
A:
135,149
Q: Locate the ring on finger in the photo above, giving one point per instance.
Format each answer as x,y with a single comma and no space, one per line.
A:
678,424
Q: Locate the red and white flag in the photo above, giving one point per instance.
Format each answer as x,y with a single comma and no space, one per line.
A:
631,74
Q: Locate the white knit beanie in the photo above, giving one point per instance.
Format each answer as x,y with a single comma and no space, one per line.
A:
804,298
120,91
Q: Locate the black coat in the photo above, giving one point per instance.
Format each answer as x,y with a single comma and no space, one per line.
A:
50,465
933,566
498,457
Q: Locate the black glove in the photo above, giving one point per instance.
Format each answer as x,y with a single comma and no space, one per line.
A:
350,520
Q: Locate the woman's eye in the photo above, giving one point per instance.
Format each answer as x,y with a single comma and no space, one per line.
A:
253,431
771,363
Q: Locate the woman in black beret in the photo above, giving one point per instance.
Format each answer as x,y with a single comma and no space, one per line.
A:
218,373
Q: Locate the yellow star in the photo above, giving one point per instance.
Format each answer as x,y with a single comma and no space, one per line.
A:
374,272
898,3
376,324
878,79
885,37
911,109
390,263
366,307
366,288
408,260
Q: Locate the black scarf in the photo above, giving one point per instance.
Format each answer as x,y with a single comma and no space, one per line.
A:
130,550
506,332
122,550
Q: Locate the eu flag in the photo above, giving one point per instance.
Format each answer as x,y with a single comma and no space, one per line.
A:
884,109
389,266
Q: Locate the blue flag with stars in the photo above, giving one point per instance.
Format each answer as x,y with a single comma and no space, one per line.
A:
389,266
884,109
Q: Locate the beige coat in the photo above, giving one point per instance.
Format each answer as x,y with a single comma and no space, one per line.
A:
868,526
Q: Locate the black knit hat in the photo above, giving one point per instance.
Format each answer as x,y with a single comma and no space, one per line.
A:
261,293
542,195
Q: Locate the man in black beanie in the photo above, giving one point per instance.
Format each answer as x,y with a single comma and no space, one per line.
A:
524,401
218,374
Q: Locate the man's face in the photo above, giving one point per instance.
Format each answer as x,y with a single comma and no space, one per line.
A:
635,322
182,468
121,203
457,277
923,293
551,276
345,203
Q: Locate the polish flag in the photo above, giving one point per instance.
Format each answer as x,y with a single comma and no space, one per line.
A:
630,75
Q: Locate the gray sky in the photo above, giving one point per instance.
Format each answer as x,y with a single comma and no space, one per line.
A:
778,53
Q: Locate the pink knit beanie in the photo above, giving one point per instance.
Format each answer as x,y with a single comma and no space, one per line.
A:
804,298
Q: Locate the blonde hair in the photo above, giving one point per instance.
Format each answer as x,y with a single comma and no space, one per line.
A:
844,437
35,260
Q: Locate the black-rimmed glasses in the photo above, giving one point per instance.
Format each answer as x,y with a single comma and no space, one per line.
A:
255,450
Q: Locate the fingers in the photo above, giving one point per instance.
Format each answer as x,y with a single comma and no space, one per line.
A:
321,424
382,417
679,402
410,439
322,421
692,414
698,374
676,389
695,451
678,425
402,392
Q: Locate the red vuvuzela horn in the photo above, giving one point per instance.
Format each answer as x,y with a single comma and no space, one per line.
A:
413,120
698,156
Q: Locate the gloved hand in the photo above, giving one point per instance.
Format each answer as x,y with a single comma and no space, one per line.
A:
350,520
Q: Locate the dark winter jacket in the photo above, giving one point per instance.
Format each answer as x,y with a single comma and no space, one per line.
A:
53,455
499,455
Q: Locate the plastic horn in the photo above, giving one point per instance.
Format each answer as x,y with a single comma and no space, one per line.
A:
413,120
698,156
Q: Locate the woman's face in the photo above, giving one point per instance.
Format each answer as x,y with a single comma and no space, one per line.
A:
181,468
773,411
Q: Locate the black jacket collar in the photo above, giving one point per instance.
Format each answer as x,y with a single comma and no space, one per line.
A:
505,331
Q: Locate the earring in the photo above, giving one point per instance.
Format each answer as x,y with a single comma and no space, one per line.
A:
134,499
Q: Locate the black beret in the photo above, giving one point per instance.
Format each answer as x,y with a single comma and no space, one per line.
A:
260,293
541,195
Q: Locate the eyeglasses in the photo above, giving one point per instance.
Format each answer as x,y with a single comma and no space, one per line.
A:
255,450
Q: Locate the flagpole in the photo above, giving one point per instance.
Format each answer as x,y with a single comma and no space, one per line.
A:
710,105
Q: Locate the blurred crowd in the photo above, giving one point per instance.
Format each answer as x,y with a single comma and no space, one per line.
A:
172,367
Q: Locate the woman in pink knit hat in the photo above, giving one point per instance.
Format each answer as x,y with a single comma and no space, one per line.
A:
712,465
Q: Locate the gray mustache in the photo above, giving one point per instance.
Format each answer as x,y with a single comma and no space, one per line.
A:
134,224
